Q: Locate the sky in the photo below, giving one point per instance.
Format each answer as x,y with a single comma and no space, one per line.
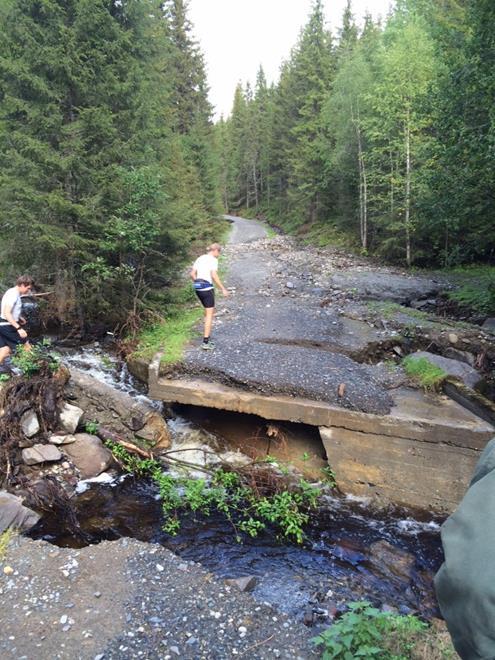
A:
236,36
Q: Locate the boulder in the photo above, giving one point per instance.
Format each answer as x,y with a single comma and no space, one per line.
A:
489,325
14,514
40,454
118,411
391,562
29,423
156,432
88,454
461,370
70,416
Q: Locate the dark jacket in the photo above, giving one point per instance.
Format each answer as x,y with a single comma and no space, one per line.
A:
465,583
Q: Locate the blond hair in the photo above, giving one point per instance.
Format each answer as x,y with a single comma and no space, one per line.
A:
214,246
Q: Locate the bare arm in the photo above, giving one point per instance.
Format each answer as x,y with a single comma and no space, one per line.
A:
12,321
193,274
218,282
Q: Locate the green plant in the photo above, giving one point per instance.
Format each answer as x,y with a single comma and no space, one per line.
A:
363,631
91,427
227,492
428,375
31,361
329,476
478,289
4,378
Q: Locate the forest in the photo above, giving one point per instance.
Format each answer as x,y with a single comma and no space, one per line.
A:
380,135
109,171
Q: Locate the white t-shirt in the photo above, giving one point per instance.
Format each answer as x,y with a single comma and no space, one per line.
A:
11,301
204,265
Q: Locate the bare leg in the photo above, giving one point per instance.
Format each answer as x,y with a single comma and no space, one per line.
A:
4,352
208,321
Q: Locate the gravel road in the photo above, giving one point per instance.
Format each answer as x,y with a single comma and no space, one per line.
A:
273,335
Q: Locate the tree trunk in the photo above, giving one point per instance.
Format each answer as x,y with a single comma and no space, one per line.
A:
408,191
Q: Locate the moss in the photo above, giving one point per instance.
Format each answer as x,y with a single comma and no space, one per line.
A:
428,375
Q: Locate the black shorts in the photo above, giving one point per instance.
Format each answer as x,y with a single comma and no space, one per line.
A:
10,337
207,298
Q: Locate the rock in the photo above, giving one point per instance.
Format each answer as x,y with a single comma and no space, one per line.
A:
489,325
461,370
14,514
61,439
391,562
29,423
246,583
156,432
462,356
453,338
290,285
118,410
40,454
70,416
88,454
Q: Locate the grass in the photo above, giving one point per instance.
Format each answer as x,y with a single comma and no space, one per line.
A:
477,288
428,375
169,336
5,539
323,235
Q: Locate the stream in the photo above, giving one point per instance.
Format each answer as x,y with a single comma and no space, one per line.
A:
352,550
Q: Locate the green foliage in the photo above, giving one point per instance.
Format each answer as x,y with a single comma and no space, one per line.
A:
427,374
362,633
109,168
91,428
477,292
227,493
329,476
34,360
360,141
170,336
4,378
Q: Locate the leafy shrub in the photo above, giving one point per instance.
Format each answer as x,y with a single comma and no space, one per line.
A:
363,631
227,492
31,361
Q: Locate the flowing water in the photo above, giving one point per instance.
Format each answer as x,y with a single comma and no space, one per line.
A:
352,552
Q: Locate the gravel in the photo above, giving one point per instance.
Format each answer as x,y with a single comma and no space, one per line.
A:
129,599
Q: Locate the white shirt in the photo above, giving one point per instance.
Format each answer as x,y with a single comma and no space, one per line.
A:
204,266
11,301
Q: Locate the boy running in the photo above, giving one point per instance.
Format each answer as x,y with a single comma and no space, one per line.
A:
203,274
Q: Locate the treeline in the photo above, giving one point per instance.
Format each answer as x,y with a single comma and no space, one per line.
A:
109,171
384,133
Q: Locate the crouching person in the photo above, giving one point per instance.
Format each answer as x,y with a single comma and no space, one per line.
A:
465,583
12,333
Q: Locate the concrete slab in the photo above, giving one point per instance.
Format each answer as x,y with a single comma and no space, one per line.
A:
421,455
